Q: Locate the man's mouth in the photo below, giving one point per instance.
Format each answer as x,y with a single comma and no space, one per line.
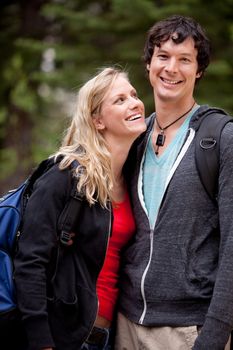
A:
172,82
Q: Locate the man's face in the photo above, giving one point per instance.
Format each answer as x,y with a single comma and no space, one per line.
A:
173,71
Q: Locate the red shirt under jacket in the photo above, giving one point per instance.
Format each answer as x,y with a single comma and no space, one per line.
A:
107,283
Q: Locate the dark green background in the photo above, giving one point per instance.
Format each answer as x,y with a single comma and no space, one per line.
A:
49,48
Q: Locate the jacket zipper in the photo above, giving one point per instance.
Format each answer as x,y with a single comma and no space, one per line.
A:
144,277
174,167
109,233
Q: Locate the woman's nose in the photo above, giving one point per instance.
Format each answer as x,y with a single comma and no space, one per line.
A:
135,102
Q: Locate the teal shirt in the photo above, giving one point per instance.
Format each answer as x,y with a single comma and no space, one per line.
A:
156,170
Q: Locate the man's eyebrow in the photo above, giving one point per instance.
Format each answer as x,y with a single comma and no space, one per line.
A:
181,54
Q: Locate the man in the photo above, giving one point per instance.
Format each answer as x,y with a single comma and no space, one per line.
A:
177,278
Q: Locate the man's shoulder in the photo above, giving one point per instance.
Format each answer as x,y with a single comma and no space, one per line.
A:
206,111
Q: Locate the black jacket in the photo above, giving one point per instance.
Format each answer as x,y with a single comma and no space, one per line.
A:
56,284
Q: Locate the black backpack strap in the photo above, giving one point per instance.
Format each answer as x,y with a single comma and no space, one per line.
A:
71,212
207,150
68,218
41,168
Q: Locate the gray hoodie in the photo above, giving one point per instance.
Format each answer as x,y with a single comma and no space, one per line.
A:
180,272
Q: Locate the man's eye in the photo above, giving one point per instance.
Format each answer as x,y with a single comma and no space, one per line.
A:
185,59
162,57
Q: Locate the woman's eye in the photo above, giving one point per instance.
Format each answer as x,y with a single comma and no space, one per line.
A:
119,100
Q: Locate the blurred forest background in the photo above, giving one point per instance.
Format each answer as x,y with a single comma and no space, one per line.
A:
50,47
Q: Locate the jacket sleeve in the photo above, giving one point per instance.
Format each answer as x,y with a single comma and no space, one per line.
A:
219,319
37,244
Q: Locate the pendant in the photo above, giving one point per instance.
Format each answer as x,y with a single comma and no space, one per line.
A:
160,140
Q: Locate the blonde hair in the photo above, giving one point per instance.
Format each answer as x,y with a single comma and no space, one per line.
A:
84,143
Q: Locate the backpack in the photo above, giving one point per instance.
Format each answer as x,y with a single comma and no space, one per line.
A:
12,208
207,142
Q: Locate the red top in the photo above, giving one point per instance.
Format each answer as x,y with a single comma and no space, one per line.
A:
122,230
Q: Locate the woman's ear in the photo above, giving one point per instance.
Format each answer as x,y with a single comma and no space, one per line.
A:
148,66
98,122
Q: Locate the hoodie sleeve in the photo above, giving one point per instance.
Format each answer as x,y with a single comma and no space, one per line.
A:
219,319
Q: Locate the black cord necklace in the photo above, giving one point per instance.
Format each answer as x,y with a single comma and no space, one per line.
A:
161,137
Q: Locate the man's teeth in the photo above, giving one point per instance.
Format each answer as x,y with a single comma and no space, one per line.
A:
134,117
171,81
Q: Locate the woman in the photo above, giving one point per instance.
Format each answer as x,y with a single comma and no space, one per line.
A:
63,312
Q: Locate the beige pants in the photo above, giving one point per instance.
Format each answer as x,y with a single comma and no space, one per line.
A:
131,336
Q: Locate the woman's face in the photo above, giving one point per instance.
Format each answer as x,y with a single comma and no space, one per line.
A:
122,114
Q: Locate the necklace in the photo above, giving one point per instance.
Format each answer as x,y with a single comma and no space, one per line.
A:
161,137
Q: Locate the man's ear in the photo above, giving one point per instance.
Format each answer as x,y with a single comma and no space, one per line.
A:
98,122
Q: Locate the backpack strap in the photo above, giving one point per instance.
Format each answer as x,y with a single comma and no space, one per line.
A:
41,168
71,212
207,150
68,218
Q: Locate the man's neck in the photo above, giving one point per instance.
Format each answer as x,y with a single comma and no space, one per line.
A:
167,112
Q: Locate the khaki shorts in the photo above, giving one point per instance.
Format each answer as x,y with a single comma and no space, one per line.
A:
131,336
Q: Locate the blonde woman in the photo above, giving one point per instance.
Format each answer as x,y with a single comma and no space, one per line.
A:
75,309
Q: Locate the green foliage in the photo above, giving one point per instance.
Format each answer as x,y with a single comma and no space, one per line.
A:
50,47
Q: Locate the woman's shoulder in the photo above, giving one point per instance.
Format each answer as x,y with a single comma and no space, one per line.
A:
55,180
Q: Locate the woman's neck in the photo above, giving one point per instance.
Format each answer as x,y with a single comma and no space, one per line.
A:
118,157
118,191
119,153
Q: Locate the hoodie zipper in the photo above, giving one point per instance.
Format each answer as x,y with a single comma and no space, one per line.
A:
140,194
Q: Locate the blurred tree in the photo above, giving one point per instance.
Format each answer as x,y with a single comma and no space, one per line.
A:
20,103
50,47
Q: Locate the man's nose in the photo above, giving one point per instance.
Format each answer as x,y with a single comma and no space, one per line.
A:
172,65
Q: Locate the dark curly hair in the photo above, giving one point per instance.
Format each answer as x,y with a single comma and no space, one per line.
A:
183,27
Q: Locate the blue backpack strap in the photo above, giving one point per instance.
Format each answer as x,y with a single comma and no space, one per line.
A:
207,146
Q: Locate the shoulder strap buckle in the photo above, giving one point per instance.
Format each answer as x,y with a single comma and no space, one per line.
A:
65,237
